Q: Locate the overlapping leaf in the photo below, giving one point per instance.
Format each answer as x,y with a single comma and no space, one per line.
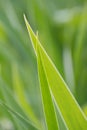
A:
18,88
9,99
25,123
65,101
49,110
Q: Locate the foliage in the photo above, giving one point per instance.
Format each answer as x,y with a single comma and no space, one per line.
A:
62,32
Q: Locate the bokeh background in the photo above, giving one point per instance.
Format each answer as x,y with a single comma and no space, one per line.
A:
62,27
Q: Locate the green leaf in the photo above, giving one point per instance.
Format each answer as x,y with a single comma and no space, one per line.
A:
49,110
80,37
24,121
65,101
10,100
85,109
18,88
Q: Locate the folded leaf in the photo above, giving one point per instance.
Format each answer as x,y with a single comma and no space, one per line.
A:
49,110
65,101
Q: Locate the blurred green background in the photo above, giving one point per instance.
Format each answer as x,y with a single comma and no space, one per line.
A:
62,27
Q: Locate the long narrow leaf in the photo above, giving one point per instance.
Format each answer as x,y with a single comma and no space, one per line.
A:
71,112
9,99
19,116
18,88
49,110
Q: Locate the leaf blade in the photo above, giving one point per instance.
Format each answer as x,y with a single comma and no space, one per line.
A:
63,97
50,115
24,121
61,93
18,88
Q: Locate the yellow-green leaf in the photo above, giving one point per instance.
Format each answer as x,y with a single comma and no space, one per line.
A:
65,101
49,110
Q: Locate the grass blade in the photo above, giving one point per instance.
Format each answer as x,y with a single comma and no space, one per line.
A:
80,37
85,109
18,88
19,116
71,112
49,110
10,100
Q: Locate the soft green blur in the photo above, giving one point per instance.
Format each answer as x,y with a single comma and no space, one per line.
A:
62,28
